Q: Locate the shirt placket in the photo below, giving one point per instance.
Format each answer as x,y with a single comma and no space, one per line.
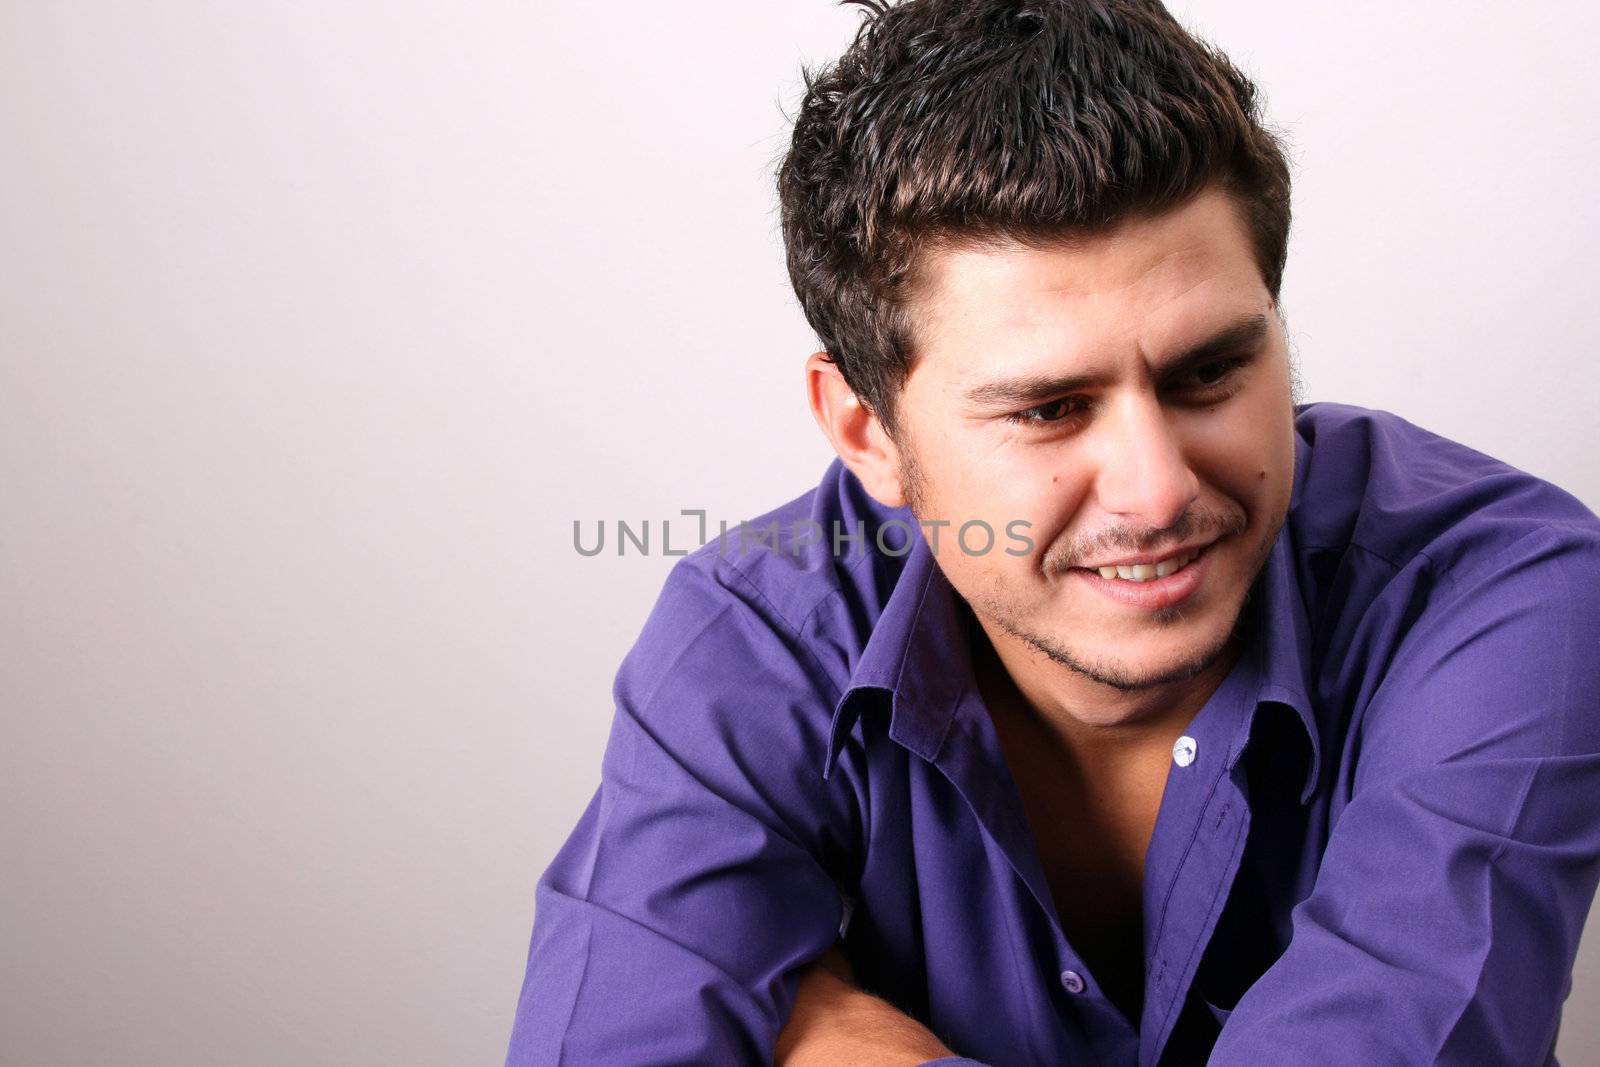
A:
1194,852
1191,904
1193,858
976,767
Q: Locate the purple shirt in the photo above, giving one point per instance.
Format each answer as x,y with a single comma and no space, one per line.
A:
1382,850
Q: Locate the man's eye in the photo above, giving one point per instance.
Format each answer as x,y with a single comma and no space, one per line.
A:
1218,371
1043,414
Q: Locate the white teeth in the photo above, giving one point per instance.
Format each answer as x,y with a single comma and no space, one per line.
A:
1144,572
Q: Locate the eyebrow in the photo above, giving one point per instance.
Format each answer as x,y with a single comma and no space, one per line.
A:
1034,388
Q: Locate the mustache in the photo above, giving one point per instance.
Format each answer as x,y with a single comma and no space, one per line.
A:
1201,525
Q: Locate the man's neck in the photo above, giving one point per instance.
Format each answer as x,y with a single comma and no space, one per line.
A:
1111,732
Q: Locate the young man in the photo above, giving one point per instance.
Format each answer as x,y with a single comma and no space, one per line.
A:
1104,702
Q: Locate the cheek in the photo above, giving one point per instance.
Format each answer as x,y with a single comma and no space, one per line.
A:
1040,485
1254,459
979,478
1024,496
1047,502
1234,464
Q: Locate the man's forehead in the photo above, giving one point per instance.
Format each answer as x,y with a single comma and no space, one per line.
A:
1008,289
981,354
1003,387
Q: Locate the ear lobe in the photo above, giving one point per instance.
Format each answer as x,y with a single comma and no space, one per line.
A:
854,431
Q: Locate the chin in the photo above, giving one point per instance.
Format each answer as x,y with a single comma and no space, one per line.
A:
1165,665
1188,642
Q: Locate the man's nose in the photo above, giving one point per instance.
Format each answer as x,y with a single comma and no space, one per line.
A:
1144,475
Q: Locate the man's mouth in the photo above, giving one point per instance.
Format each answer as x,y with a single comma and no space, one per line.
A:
1146,572
1151,585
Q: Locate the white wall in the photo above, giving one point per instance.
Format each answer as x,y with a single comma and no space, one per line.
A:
321,321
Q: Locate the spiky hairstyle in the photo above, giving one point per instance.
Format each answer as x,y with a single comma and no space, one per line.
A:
953,123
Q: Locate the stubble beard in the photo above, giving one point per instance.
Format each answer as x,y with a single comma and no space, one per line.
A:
1115,674
1112,673
1010,617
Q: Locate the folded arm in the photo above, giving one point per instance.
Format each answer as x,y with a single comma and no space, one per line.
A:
1451,895
837,1024
1455,884
673,925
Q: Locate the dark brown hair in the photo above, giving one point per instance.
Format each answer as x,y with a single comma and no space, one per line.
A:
950,123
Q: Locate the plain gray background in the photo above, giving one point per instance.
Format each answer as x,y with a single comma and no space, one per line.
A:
320,323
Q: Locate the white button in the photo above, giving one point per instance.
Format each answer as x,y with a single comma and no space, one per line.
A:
1183,751
1072,982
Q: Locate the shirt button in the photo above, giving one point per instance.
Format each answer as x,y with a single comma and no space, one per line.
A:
1183,751
1072,982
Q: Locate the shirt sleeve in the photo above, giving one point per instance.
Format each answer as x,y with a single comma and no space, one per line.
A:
1447,910
672,925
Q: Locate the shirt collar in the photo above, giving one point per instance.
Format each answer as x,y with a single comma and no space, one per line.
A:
1283,635
918,659
1283,626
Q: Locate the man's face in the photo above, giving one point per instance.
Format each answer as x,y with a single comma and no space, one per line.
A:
1145,456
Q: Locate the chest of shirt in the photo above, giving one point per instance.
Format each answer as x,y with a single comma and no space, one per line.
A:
958,915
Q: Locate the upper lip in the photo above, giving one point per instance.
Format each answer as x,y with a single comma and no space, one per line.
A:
1152,558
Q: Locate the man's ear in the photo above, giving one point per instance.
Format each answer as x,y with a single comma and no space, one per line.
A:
854,431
